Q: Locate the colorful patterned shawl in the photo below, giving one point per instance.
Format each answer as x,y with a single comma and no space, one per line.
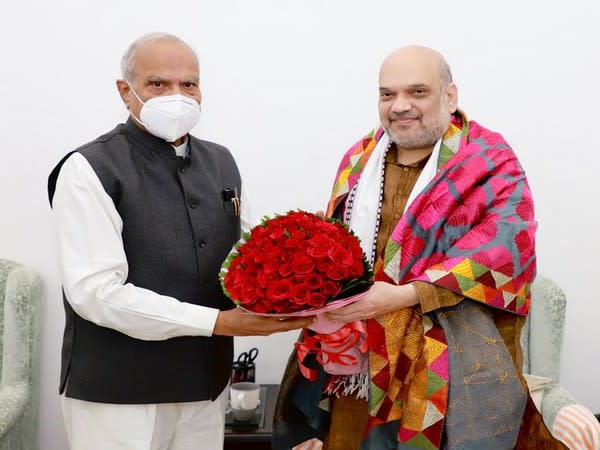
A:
471,230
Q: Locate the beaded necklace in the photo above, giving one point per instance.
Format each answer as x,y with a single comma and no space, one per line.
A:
350,205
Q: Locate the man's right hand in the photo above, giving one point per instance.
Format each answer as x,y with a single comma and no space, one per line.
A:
237,322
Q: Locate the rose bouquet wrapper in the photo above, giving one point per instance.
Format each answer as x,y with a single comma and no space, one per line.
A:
341,348
300,264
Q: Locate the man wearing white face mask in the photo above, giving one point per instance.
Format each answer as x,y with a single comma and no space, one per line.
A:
145,215
169,117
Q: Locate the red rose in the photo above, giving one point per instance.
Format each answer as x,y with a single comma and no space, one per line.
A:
330,289
337,272
258,257
265,306
321,240
263,280
280,308
270,267
258,233
279,290
239,278
300,293
328,228
276,233
292,243
261,294
340,256
302,264
297,234
248,295
314,281
317,252
324,266
316,299
274,253
356,270
234,292
285,269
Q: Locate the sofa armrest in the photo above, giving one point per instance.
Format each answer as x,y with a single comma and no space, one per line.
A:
555,397
13,400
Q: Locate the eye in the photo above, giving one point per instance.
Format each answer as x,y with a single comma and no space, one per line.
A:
420,92
385,95
190,84
156,83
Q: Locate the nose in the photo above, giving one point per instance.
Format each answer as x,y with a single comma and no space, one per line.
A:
400,105
175,89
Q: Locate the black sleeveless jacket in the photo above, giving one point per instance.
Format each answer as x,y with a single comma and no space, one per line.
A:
177,230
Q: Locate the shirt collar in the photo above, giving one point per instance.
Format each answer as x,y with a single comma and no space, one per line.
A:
390,158
181,150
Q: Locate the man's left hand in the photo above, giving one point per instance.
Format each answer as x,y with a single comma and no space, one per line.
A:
380,299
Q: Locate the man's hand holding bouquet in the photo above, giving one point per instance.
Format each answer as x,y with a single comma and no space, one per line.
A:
300,264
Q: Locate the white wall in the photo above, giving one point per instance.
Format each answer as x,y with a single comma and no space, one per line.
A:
288,86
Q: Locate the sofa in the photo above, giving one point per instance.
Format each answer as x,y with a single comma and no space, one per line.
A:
20,289
566,418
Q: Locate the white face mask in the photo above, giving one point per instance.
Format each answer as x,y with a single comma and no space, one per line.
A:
168,117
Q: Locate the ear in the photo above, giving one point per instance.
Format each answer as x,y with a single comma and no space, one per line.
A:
452,97
124,92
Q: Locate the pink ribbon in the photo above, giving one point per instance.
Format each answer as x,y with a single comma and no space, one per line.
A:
337,344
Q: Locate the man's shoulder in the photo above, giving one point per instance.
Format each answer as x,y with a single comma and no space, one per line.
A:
104,142
373,135
207,145
478,131
210,149
364,145
90,151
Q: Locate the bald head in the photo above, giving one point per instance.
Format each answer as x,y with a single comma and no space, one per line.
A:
416,97
413,56
146,42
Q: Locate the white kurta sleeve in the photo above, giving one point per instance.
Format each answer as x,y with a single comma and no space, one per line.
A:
94,267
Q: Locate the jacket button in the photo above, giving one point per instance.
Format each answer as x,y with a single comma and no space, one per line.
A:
193,204
182,169
202,244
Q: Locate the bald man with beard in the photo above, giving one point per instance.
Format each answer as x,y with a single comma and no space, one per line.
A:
444,211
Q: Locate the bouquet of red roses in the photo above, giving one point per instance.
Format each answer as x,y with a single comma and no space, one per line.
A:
300,264
294,262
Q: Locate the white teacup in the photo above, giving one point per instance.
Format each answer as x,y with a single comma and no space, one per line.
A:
244,415
244,396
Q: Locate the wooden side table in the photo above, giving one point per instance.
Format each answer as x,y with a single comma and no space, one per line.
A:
258,438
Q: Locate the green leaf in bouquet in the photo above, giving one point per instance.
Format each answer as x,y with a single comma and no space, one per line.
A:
354,288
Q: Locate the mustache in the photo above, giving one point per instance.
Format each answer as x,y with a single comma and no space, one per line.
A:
402,116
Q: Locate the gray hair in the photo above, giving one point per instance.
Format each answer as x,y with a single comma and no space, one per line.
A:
128,59
445,73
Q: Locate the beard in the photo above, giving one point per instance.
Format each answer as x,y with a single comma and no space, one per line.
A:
425,136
